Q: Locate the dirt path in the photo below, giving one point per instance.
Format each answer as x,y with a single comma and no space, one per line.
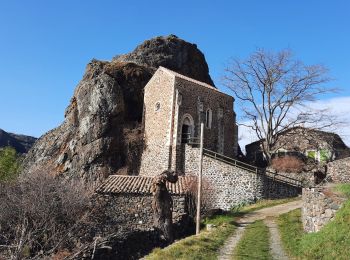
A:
276,248
226,251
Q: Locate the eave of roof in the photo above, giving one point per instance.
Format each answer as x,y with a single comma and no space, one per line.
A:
124,184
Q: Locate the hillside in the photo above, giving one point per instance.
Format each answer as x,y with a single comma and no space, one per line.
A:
22,143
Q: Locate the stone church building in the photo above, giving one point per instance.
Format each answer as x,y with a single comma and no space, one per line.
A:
174,107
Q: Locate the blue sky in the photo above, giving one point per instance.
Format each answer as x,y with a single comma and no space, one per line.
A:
45,45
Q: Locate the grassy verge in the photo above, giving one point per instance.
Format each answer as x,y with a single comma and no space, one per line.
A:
206,245
254,243
291,230
332,242
203,246
343,188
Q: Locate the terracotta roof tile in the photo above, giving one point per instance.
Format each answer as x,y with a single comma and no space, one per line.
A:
141,185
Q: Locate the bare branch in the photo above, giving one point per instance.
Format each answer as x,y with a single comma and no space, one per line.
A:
273,89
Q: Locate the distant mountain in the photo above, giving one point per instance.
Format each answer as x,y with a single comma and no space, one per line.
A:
22,143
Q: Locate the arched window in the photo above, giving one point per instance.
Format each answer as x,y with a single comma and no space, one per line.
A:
208,118
187,129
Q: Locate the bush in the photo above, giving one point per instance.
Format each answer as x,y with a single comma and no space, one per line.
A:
288,164
9,164
39,214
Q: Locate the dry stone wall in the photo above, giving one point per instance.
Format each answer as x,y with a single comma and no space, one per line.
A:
134,211
124,227
226,185
339,170
319,207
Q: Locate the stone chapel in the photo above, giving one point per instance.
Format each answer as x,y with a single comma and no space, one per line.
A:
174,107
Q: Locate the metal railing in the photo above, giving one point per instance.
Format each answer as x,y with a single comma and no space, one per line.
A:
251,168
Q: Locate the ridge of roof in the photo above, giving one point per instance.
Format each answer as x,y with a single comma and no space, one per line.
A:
178,75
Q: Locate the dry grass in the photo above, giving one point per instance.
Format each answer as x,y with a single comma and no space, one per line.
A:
288,164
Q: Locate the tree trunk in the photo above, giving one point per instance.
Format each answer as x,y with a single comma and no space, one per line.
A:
162,204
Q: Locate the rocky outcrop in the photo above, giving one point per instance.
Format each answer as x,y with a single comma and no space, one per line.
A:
102,123
22,143
172,53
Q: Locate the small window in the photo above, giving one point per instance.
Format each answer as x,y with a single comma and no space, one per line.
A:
157,106
208,118
179,99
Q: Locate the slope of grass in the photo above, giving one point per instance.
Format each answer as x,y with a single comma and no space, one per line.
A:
291,230
343,188
203,246
206,245
254,243
331,242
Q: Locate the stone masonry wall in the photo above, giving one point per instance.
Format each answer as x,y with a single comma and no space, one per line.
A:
124,225
134,211
193,94
319,207
226,185
169,99
157,123
339,170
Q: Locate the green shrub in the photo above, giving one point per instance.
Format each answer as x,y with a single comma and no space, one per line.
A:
9,164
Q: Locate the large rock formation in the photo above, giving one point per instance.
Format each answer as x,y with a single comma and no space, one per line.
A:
102,132
172,53
21,143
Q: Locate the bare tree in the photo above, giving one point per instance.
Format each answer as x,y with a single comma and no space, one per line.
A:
274,91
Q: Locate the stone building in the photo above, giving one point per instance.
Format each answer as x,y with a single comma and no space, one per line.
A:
317,145
174,107
128,202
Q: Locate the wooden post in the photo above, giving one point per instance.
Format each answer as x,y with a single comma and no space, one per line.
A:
199,188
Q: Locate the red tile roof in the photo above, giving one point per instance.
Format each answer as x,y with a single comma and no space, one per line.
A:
141,185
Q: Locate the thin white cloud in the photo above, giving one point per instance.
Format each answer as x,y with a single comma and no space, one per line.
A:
339,107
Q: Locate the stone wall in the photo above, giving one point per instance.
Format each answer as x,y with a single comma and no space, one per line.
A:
170,100
226,185
196,100
134,211
127,245
339,170
158,112
123,226
307,178
319,207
